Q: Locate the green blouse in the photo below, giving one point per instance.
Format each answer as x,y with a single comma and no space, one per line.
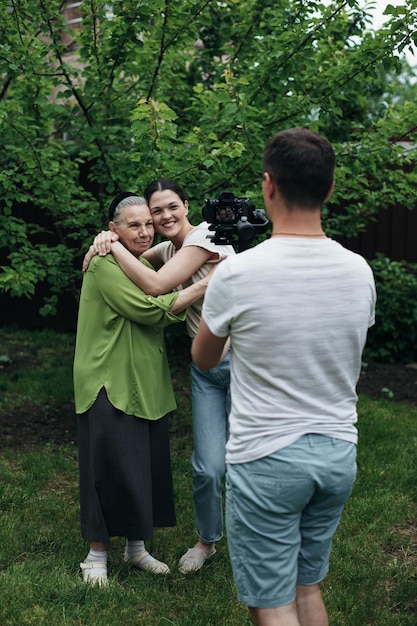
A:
120,343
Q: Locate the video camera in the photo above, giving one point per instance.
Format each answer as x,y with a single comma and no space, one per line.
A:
229,215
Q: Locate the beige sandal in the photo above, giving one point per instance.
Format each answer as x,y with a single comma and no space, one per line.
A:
153,566
94,573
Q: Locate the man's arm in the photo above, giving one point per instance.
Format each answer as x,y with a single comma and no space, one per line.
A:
208,350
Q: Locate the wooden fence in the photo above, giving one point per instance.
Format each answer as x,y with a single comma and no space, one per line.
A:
394,234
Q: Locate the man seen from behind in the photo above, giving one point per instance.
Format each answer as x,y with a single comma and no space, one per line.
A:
297,308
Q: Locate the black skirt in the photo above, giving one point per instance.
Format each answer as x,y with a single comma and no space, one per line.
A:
125,475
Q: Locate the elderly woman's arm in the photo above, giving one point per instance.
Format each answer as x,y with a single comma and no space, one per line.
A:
191,294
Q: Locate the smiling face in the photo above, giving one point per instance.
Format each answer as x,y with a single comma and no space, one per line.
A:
169,214
135,228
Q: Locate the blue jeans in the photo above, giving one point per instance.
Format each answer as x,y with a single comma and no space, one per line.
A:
211,408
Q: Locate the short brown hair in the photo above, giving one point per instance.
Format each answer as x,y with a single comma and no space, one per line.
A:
302,164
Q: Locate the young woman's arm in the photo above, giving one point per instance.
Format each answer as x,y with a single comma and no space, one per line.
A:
153,258
173,273
102,246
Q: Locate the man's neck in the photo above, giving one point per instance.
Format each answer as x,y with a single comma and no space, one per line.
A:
298,224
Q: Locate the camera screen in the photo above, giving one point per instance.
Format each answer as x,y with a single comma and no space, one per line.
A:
225,214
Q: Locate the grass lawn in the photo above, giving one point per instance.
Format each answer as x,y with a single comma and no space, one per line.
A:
373,573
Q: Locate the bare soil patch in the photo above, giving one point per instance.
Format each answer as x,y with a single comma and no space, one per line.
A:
32,425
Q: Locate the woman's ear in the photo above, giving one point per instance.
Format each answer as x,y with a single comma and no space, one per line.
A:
186,207
112,227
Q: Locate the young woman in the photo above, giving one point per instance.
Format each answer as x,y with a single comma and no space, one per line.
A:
123,394
186,257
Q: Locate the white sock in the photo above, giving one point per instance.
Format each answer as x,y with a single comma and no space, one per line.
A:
136,547
96,556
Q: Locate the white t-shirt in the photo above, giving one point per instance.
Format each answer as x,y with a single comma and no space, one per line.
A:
297,311
196,237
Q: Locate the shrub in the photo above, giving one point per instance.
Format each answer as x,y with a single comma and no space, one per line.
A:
393,339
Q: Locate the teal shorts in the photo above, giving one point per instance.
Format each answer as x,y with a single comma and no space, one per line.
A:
281,514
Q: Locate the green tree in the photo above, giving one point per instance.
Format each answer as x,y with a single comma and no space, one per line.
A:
190,90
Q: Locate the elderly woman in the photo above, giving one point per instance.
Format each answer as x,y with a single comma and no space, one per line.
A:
187,256
123,394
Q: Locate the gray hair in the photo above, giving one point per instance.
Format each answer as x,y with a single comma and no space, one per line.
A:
129,201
